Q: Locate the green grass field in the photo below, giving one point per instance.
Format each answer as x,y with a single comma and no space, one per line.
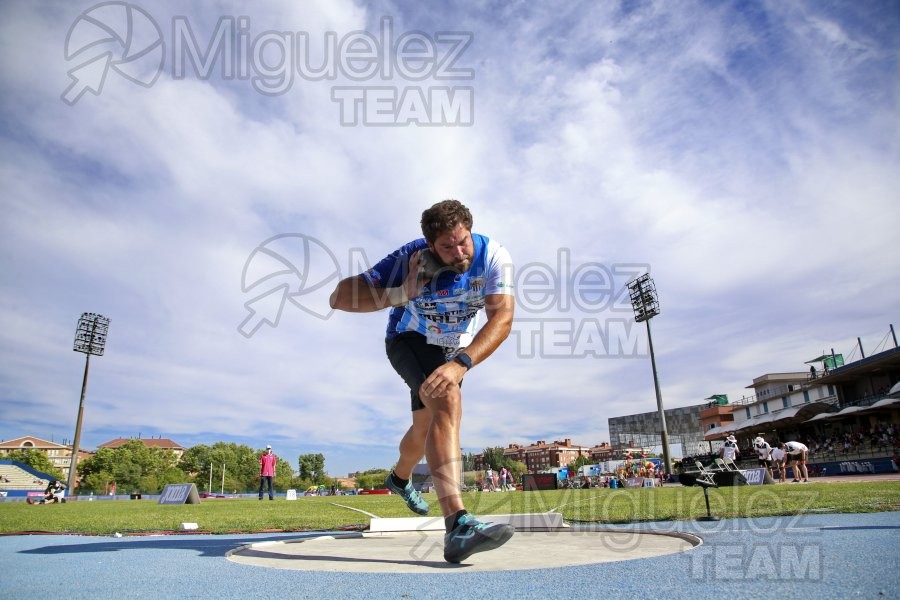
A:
603,506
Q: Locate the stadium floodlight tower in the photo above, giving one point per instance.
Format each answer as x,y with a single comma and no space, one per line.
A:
645,303
90,338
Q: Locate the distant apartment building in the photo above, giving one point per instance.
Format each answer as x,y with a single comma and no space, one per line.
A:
60,455
602,452
541,455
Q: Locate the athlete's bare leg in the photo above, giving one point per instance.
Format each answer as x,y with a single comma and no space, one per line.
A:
442,446
412,446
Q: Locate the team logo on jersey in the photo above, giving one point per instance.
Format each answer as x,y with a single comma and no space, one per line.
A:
476,283
434,329
442,293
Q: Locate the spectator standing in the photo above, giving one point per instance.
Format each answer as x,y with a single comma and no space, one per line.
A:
267,472
489,475
503,474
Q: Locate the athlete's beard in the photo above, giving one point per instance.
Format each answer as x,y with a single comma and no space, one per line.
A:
462,265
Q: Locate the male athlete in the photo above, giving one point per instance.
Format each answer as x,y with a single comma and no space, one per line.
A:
435,287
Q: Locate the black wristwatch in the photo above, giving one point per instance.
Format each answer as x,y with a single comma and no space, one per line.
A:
464,359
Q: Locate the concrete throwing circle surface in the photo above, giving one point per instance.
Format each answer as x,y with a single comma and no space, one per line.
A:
423,551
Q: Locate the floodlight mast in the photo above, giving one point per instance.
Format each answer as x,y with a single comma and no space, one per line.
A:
90,338
645,303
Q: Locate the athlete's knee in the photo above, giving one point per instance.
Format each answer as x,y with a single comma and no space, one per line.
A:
445,402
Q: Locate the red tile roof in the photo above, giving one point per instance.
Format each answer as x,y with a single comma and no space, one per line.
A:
149,442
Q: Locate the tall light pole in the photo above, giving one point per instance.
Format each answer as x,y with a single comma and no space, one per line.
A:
645,303
90,338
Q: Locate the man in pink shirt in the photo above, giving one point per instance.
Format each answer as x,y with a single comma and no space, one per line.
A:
267,472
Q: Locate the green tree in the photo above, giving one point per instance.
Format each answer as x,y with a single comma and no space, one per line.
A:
493,457
96,482
371,479
36,459
468,460
284,475
96,473
517,468
312,468
132,466
579,462
241,466
298,484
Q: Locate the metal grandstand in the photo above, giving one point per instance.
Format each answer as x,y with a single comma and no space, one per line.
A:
643,430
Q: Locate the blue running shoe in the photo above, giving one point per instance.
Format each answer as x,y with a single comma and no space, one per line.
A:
471,536
410,495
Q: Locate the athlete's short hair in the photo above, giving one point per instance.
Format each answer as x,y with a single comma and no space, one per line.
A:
443,217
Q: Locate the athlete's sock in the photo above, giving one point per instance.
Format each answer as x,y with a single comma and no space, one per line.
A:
451,521
400,483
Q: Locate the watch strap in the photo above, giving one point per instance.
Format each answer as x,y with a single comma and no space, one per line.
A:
464,359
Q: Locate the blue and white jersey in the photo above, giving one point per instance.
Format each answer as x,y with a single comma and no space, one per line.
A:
447,310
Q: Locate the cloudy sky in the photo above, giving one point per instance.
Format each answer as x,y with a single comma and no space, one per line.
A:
201,173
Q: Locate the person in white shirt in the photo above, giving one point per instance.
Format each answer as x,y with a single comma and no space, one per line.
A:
763,454
730,450
796,455
778,463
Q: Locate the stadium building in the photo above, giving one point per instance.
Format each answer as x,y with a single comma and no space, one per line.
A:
643,430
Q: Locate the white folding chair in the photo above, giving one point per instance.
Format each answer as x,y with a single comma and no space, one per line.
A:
705,479
725,464
706,476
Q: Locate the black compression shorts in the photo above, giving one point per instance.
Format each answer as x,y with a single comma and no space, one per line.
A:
414,359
